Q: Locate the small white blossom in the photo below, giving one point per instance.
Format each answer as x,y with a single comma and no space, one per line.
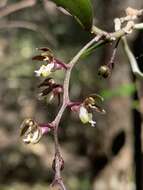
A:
85,116
45,70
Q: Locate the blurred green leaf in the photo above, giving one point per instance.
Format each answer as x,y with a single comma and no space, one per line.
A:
91,49
124,90
80,9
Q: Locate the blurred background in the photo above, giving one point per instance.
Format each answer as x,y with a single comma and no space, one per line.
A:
107,157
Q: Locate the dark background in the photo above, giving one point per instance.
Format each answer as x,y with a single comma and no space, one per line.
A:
101,158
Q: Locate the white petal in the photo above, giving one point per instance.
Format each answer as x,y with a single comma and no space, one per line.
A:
35,137
32,136
45,70
84,115
91,121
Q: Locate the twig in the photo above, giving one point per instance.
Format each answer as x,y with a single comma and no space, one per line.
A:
16,7
129,19
112,59
132,60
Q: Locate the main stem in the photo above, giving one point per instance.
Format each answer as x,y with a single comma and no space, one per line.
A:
66,101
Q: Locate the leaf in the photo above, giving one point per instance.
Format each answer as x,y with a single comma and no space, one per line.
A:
91,49
80,9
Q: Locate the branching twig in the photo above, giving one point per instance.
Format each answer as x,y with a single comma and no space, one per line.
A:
132,15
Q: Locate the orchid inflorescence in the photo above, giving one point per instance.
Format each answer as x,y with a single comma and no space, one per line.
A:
31,131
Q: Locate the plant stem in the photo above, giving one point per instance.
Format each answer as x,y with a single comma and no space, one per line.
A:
65,103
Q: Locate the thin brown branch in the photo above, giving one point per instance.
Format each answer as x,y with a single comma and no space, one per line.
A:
16,7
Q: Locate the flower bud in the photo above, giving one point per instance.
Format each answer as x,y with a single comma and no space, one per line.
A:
104,71
61,162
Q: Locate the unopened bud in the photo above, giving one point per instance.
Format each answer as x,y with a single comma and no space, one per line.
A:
61,162
104,71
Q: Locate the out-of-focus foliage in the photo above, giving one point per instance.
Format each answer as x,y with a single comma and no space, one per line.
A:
124,90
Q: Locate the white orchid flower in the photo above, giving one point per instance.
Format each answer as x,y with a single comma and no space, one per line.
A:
85,116
45,70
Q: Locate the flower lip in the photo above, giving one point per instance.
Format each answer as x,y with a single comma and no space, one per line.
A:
86,117
30,131
83,114
45,70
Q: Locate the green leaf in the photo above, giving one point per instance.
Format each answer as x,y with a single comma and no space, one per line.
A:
121,91
80,9
91,49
